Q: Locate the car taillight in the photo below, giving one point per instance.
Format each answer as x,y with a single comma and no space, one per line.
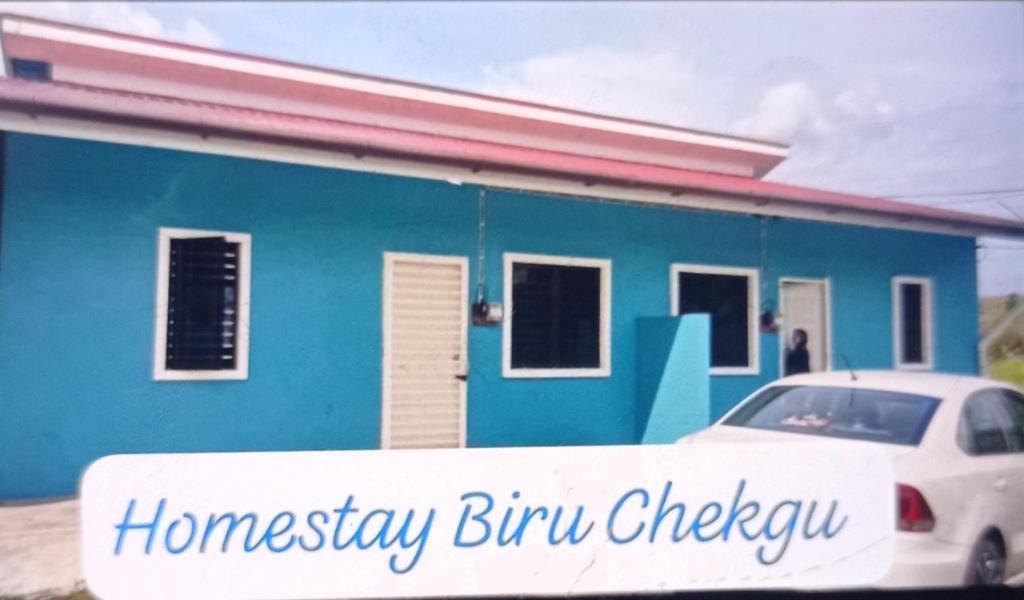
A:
915,514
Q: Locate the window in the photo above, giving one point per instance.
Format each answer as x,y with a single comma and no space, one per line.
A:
558,315
853,413
30,70
730,296
202,305
912,322
1013,403
992,422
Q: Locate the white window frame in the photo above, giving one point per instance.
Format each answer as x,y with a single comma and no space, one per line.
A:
927,330
241,370
605,347
753,303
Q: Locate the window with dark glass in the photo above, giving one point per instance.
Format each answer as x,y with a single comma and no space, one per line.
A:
556,316
1013,403
202,304
875,415
30,70
725,298
912,298
987,424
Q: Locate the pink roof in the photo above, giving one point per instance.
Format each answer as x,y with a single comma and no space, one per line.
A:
103,60
390,136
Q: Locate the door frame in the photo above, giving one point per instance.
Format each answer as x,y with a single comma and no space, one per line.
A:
826,283
390,258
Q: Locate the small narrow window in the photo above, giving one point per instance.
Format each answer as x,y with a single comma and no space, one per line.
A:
30,70
558,317
912,323
202,305
729,296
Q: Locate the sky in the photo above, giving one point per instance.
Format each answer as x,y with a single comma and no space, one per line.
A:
922,102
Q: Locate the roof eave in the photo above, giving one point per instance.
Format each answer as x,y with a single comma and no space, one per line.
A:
34,99
54,40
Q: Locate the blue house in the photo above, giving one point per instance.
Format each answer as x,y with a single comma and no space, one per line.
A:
203,251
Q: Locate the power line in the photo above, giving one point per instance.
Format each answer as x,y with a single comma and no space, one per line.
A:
976,200
1010,210
950,194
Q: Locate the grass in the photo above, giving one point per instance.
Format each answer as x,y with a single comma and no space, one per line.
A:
82,595
992,310
1010,369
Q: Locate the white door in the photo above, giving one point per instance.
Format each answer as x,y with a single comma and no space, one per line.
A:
424,351
804,305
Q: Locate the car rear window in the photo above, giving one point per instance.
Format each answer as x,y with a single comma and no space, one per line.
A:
874,415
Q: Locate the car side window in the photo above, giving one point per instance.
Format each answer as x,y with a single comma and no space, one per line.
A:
1013,404
984,424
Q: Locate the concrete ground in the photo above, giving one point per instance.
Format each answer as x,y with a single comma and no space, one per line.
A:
39,549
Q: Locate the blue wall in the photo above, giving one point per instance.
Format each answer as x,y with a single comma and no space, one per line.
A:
77,277
673,395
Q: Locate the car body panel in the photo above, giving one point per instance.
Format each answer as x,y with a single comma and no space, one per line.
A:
969,495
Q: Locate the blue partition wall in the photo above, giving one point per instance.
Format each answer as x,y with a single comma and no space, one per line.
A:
77,290
673,398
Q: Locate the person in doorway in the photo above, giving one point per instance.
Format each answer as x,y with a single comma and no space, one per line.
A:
798,359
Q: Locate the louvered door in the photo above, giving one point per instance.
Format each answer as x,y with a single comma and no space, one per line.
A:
424,351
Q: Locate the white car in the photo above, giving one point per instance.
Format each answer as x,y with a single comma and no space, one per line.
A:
957,445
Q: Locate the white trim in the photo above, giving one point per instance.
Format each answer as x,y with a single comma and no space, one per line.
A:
753,304
5,68
190,142
241,370
390,258
605,342
826,283
267,68
927,329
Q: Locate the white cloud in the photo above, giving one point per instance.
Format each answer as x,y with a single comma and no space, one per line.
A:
194,32
664,84
864,103
793,112
660,85
118,16
785,112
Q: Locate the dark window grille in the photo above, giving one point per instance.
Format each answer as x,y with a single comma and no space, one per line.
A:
30,70
556,317
912,309
202,304
725,298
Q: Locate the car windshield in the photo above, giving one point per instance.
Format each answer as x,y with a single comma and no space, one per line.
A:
875,415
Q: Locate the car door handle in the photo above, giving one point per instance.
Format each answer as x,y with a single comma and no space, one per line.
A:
1000,484
462,377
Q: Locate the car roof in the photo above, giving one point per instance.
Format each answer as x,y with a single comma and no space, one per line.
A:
911,382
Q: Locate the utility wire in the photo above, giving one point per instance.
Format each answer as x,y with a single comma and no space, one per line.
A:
1010,210
481,243
950,194
977,200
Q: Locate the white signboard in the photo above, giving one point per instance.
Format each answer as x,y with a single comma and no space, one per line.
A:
510,521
